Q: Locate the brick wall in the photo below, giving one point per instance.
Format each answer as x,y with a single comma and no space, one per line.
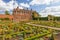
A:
22,15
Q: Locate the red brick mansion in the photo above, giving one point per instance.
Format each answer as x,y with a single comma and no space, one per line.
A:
19,15
22,14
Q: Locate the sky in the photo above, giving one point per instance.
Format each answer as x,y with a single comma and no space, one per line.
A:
43,7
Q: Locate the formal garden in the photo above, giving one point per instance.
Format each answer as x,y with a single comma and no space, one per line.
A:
22,31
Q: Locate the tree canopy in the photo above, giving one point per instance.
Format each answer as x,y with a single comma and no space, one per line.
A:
6,12
35,14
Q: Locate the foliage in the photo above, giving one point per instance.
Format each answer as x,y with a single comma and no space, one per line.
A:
6,18
35,15
6,12
21,31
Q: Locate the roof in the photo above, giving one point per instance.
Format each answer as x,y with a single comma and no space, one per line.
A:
18,9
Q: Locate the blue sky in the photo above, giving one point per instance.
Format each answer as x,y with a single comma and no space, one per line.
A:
43,7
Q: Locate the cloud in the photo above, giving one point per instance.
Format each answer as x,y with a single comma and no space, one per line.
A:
8,6
25,5
54,1
15,5
53,10
20,7
2,4
40,2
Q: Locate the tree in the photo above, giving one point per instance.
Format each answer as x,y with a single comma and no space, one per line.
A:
6,12
6,18
35,15
52,36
